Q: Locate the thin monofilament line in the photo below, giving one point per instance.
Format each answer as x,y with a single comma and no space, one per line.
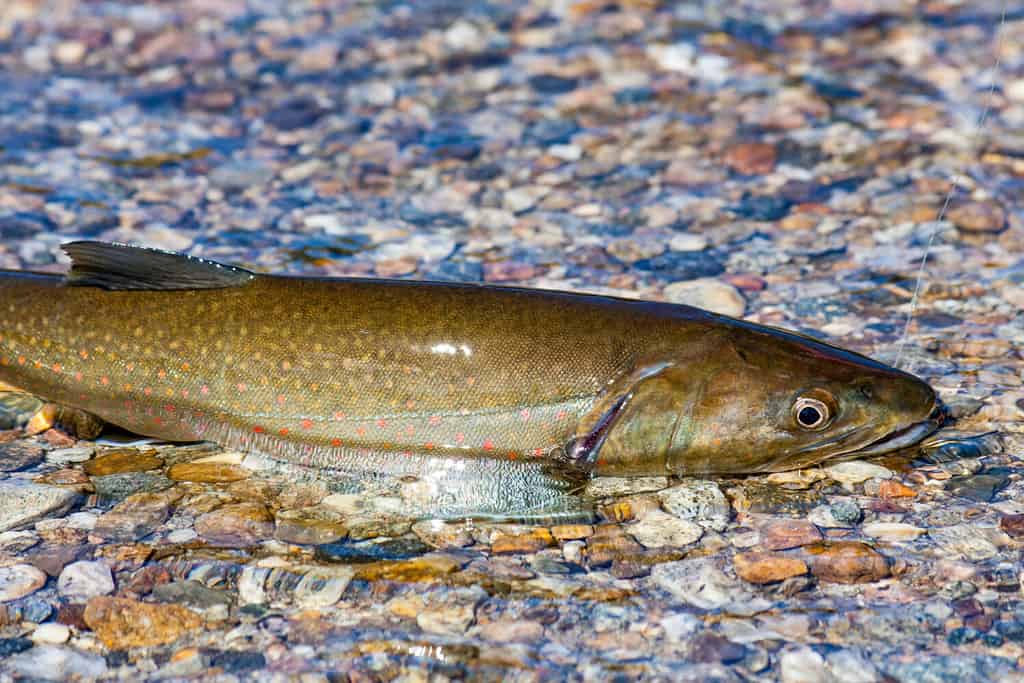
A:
978,126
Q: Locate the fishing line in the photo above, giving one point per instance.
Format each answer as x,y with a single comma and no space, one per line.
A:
976,129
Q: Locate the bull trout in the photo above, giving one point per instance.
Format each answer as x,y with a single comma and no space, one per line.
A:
500,389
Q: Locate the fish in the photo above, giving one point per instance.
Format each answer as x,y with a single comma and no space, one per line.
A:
517,390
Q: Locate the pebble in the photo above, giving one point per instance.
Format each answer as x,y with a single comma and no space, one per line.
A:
1013,525
892,531
440,534
136,517
122,623
529,542
698,500
236,526
658,529
751,158
123,460
848,562
70,456
52,662
322,587
22,503
758,567
117,487
310,526
208,472
700,583
788,533
713,295
51,634
83,580
964,541
850,666
855,472
19,580
983,217
802,665
16,456
608,544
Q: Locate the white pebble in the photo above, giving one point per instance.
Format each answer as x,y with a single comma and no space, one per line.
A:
51,634
83,580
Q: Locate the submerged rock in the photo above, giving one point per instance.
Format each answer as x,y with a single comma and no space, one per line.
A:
123,623
22,503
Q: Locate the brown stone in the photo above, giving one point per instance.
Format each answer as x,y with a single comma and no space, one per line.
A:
137,516
122,623
75,480
890,488
123,460
788,533
208,472
530,542
310,526
751,158
848,562
571,532
1013,525
236,526
757,567
610,543
425,568
978,217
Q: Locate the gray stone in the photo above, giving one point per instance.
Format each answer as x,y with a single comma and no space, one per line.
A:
698,500
700,583
83,580
55,663
22,503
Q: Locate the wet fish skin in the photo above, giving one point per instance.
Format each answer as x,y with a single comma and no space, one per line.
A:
354,374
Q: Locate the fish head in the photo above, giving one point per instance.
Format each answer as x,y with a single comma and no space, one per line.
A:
774,400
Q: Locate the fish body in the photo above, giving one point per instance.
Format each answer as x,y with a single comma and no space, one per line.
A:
384,375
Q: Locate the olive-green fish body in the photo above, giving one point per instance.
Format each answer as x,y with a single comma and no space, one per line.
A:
354,374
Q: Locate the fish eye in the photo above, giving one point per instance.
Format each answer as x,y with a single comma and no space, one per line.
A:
811,413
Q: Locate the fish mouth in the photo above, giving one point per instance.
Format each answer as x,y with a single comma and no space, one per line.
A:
907,436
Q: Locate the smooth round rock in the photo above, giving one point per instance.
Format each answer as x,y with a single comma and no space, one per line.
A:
51,634
19,580
83,580
713,295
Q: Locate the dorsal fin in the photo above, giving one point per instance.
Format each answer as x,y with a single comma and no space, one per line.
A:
122,266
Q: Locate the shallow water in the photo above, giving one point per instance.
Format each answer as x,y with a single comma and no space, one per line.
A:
784,162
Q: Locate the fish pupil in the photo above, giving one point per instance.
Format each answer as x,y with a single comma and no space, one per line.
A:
809,416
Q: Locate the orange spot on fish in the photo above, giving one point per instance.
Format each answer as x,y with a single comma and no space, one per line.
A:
283,431
204,390
3,360
83,353
241,387
186,367
169,408
407,454
435,420
460,438
470,381
21,360
410,404
488,445
56,367
382,423
184,393
335,442
127,387
512,455
361,431
104,380
561,415
161,373
258,429
409,430
429,445
538,452
307,424
147,391
37,364
281,399
339,415
525,413
78,376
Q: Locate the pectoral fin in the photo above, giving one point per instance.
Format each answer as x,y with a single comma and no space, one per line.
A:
630,428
